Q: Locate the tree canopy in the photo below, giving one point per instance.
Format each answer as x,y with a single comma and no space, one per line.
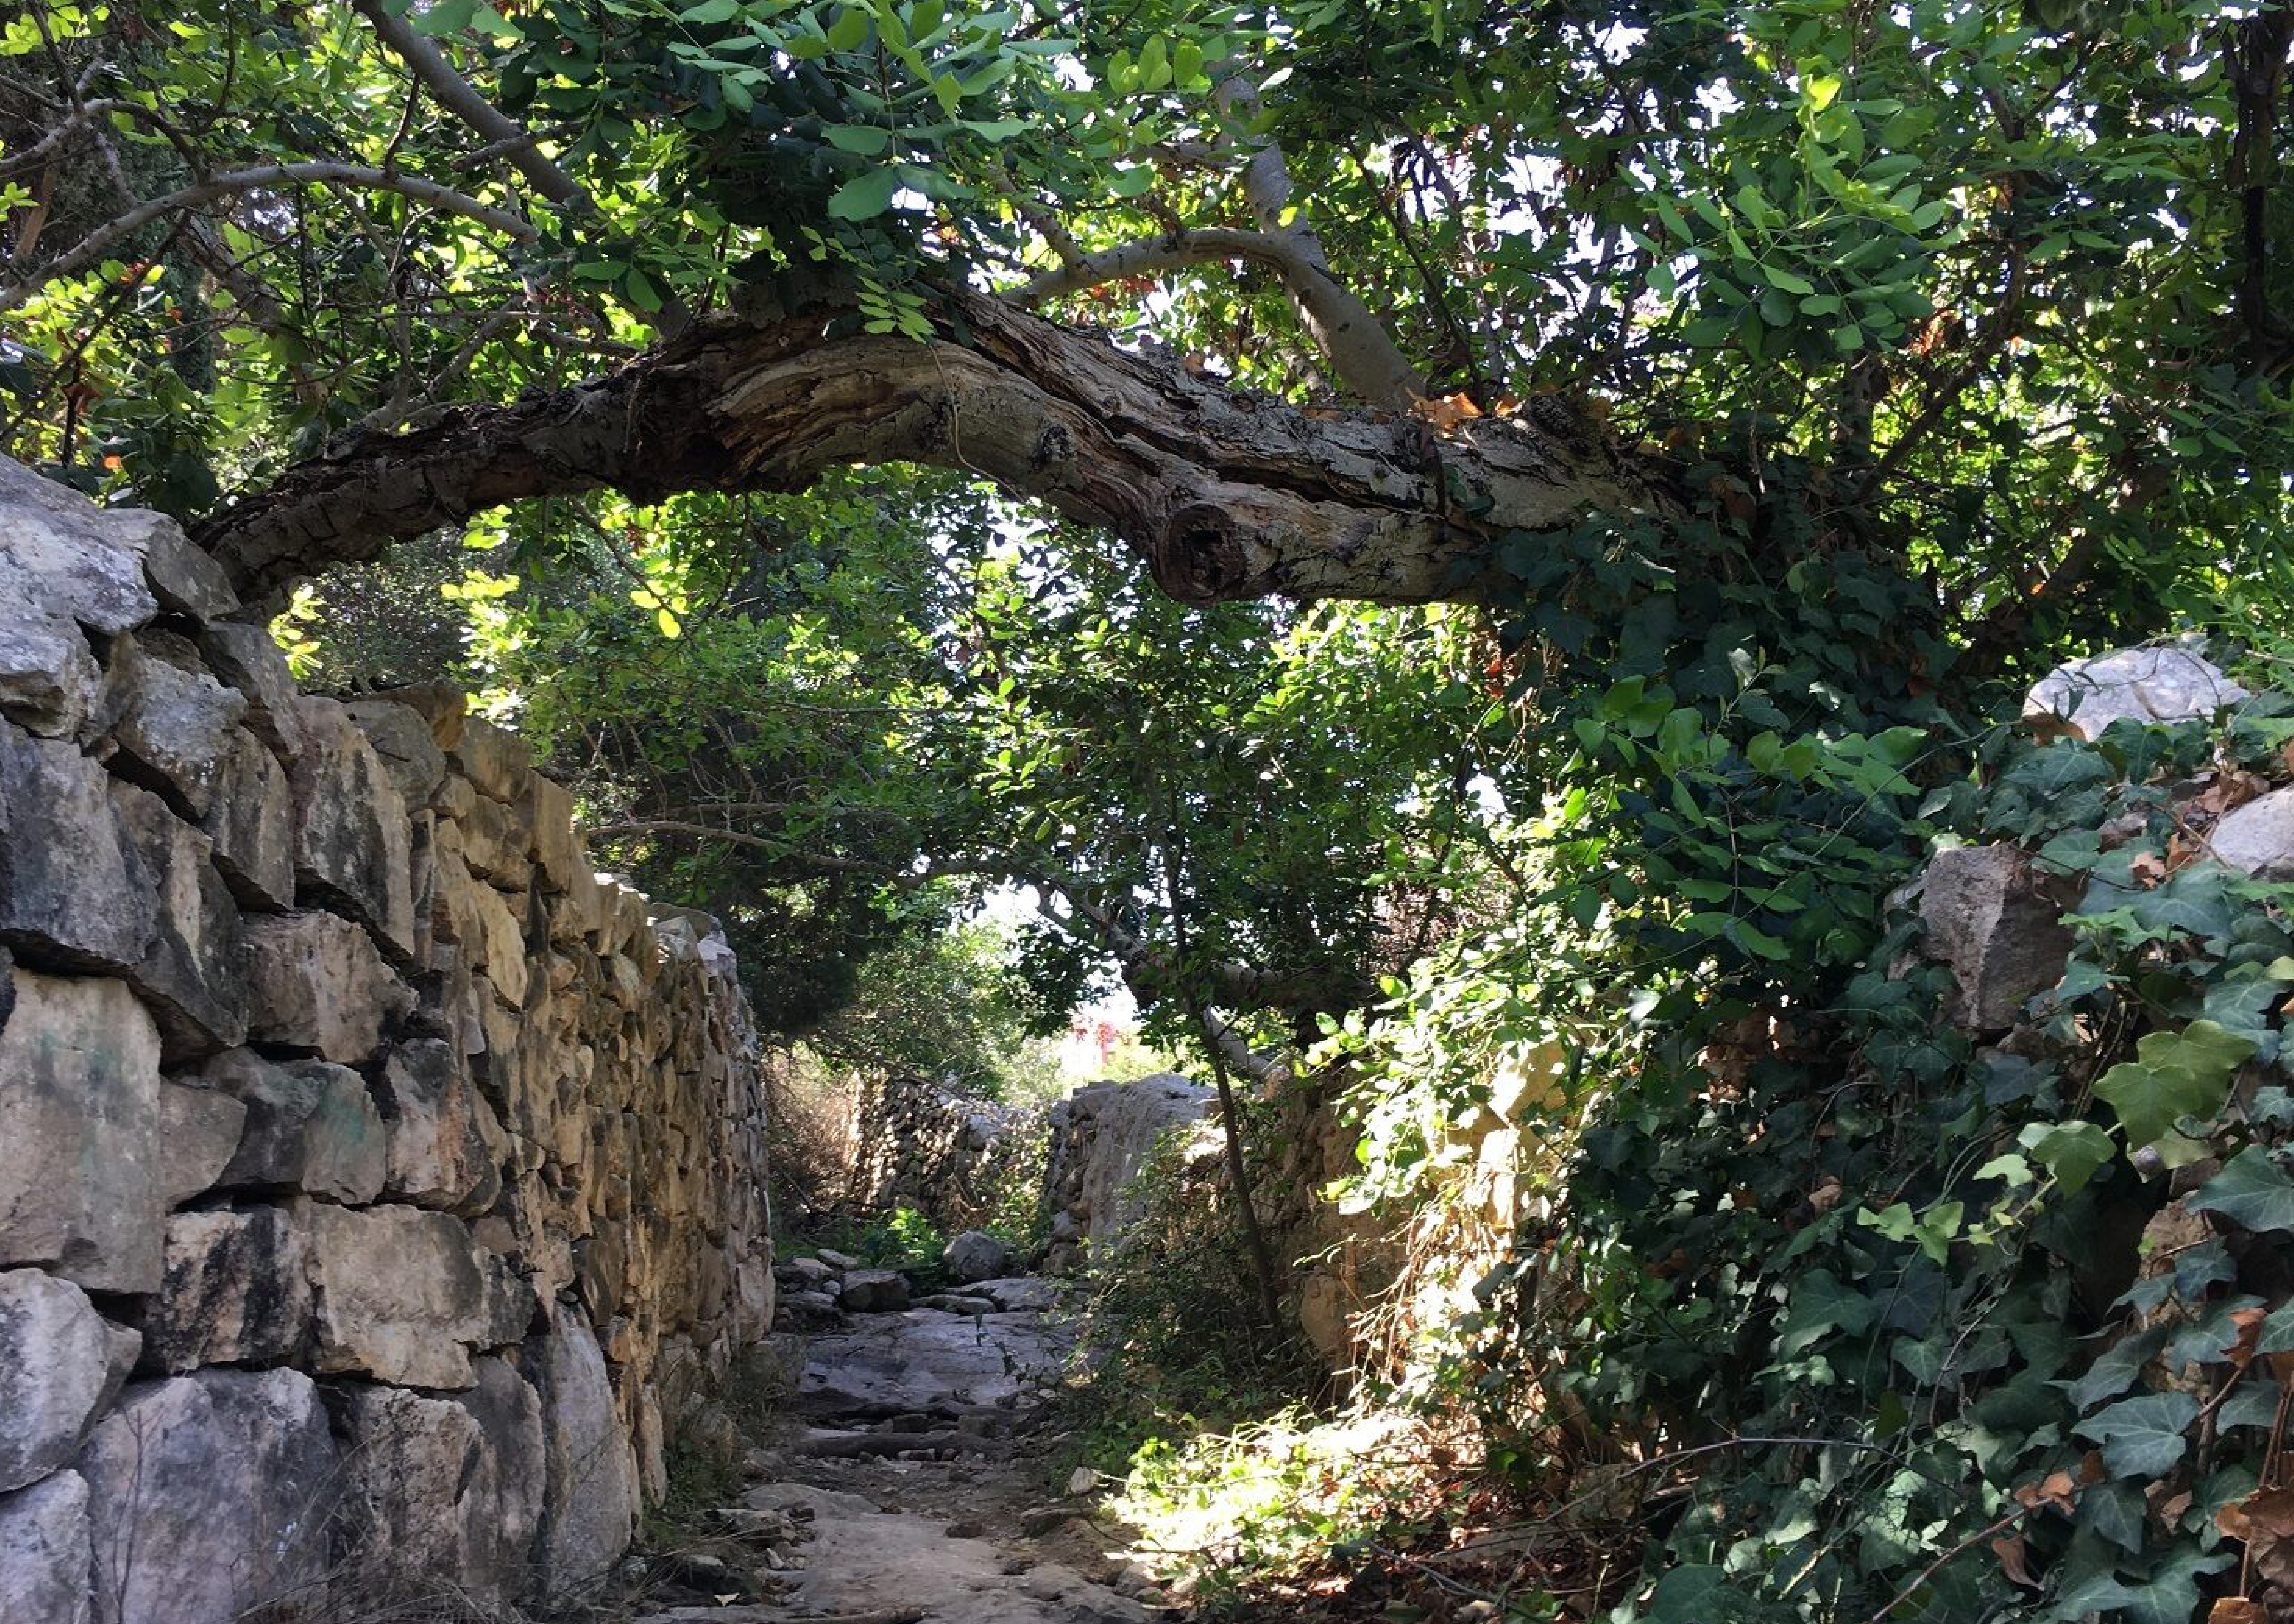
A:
1427,534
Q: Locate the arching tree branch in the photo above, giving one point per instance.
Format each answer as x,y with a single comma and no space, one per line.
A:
1226,495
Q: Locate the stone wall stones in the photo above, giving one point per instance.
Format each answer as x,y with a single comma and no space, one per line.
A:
368,1164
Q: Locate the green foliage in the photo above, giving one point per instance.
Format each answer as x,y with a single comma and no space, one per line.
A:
1934,1302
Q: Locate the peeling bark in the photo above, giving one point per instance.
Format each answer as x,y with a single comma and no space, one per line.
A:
1226,495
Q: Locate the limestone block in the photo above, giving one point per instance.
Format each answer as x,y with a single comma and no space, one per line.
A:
508,1413
193,974
186,579
557,847
493,759
351,834
74,893
65,563
247,660
79,1113
402,1294
236,1291
252,824
311,1126
177,723
1993,922
198,1133
318,984
402,737
2155,684
434,1499
591,1501
499,948
494,843
61,1364
443,708
510,1301
45,1556
209,1496
441,1131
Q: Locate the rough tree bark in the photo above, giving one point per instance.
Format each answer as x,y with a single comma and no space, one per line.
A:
1226,495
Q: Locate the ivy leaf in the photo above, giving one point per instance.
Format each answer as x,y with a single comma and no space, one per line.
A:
2277,1331
1820,1305
2143,1437
2251,1191
2070,1150
2174,1075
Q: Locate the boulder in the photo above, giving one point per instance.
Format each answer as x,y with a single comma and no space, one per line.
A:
2258,837
805,1272
74,893
61,1364
1998,926
975,1255
403,739
249,662
79,1112
176,724
841,1262
353,837
311,1126
45,1556
317,983
873,1291
209,1496
193,973
252,824
2162,683
236,1291
442,1132
591,1506
65,564
402,1294
198,1133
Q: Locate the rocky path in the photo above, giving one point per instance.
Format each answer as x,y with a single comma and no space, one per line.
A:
910,1482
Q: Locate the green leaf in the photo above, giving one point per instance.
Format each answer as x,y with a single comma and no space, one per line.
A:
2174,1075
2141,1437
866,140
849,29
2251,1191
711,11
2070,1150
446,17
864,196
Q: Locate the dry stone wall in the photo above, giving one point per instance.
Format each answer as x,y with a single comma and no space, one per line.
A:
948,1155
369,1167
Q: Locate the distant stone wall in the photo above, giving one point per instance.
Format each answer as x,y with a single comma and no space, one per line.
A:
369,1170
917,1144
